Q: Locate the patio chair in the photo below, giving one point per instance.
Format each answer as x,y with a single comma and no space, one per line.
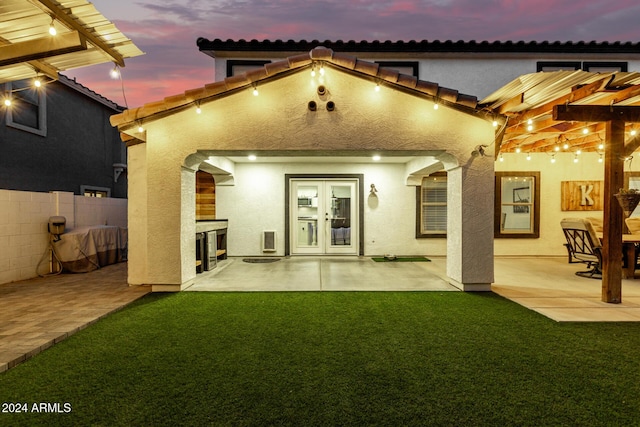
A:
583,245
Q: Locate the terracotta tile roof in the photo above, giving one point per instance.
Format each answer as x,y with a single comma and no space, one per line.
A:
326,55
423,46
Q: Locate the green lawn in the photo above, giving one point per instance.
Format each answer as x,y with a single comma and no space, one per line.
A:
341,358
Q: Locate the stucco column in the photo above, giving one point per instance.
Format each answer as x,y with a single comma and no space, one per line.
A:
470,202
137,262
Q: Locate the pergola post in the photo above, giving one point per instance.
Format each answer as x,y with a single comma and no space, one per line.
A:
612,230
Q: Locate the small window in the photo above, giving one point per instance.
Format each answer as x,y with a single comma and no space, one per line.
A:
28,109
89,191
431,201
517,205
605,67
237,66
558,65
409,68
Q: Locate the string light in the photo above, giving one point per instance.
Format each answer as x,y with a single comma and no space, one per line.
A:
557,148
198,110
435,106
585,131
575,159
7,102
377,88
565,146
115,72
255,91
52,29
37,82
518,149
321,70
495,123
601,146
553,158
633,132
600,159
529,125
528,156
501,158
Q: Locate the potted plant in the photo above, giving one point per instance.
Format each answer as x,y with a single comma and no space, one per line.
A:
628,199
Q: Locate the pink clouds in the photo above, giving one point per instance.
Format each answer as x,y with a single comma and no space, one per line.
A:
168,31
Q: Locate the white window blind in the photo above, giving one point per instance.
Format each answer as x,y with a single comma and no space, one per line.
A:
434,205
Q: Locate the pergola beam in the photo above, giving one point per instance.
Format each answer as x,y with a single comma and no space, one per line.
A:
596,113
41,48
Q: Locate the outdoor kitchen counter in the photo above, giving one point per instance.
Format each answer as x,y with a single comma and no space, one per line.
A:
214,224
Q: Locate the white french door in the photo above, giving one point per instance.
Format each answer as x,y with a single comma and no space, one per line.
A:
324,216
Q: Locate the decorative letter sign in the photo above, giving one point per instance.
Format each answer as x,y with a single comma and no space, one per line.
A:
582,196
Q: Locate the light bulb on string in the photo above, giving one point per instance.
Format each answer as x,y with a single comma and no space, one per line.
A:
501,158
575,159
600,159
528,156
37,82
553,158
7,102
52,29
518,150
115,72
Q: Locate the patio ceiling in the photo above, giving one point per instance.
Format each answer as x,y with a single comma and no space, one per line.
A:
528,103
84,37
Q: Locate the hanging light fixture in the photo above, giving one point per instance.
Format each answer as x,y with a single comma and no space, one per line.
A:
501,158
553,158
7,102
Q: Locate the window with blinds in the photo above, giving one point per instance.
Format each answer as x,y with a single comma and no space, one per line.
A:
433,205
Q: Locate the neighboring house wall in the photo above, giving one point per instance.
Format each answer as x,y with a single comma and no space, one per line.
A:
24,216
78,149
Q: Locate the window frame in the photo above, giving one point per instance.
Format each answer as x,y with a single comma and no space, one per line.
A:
414,65
419,205
497,218
41,106
232,63
84,189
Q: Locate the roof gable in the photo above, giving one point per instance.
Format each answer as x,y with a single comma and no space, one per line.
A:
278,69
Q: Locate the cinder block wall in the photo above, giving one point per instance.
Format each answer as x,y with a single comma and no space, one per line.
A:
24,216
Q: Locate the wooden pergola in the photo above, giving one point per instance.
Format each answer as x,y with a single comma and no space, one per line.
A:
571,111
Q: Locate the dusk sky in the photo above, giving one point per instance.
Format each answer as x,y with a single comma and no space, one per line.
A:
167,32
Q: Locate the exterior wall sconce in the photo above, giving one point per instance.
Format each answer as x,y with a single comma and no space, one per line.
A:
373,191
478,151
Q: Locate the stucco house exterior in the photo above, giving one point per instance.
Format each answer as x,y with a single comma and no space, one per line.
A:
286,126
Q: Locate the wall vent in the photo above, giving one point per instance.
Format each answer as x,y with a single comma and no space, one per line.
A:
268,241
